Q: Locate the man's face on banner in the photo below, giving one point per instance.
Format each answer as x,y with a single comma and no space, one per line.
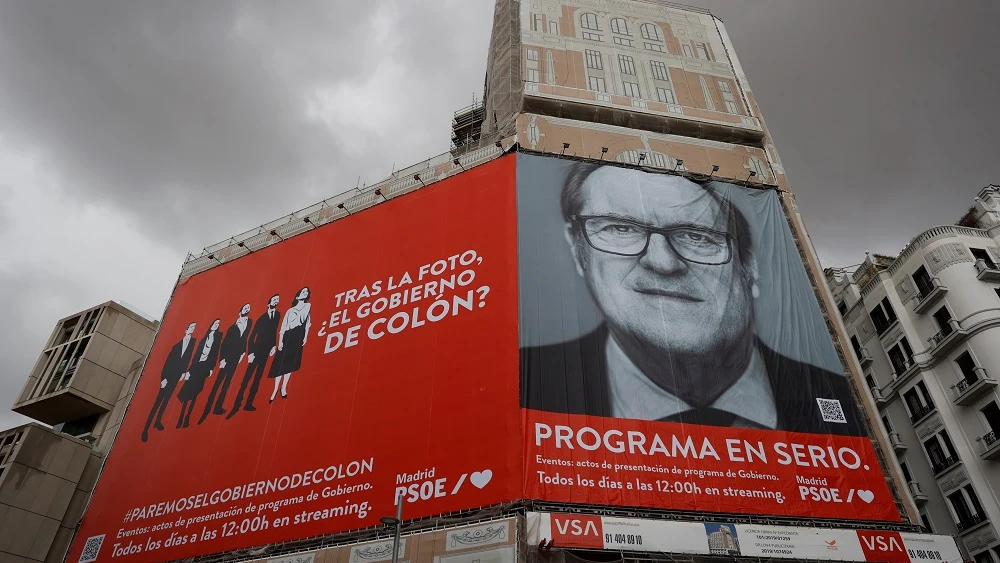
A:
659,298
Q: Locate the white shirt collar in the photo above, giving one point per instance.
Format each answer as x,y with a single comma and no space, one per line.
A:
634,395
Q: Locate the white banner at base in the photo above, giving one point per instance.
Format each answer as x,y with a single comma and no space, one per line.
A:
746,540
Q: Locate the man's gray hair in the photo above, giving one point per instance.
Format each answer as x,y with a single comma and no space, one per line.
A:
573,197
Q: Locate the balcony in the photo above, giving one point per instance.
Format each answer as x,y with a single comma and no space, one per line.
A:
864,357
917,414
909,368
880,398
897,443
987,271
991,446
942,465
929,295
945,340
970,522
971,389
917,493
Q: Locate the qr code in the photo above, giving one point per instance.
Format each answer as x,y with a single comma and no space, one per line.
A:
831,410
91,549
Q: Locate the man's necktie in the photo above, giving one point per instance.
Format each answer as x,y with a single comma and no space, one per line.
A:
709,416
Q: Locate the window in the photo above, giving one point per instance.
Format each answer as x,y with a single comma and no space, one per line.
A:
983,557
625,42
888,427
701,51
757,166
532,55
943,318
926,523
626,64
918,402
619,25
687,51
906,471
531,75
731,107
653,47
997,291
589,21
965,504
842,307
967,366
882,316
991,413
536,22
665,95
67,331
550,68
870,381
631,89
724,86
594,59
901,356
554,27
922,280
940,452
79,426
709,103
596,84
591,36
981,254
659,70
858,351
651,32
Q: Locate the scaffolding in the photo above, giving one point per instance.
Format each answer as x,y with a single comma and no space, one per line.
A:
337,207
467,127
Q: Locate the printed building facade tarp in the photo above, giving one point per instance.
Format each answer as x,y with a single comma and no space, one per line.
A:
532,328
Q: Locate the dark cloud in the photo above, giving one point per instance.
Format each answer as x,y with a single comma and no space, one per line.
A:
881,111
195,116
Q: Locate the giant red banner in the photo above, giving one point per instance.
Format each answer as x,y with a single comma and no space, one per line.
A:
670,349
383,349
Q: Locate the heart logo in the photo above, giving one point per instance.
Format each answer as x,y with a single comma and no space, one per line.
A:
866,496
482,478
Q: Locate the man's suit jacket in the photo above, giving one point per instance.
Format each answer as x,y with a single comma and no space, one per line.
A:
264,335
234,344
572,377
178,362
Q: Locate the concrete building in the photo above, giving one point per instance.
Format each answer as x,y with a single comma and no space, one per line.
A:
723,542
81,385
924,326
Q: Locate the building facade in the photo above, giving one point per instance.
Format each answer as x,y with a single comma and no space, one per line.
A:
81,385
924,326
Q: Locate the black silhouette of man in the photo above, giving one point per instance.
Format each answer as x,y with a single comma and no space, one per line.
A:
263,343
178,362
234,348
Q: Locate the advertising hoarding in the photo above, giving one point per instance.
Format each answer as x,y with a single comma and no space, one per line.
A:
746,540
673,354
386,363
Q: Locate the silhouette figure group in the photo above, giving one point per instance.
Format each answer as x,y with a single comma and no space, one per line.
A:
191,363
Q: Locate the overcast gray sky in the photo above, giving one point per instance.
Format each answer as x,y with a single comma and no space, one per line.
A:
134,131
